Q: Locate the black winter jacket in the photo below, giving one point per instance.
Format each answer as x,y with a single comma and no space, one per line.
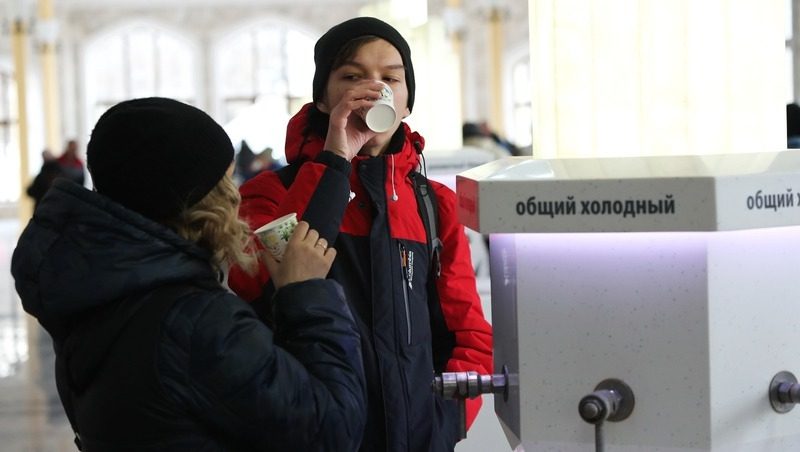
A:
368,209
156,355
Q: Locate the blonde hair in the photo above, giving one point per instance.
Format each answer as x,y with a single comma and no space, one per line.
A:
213,223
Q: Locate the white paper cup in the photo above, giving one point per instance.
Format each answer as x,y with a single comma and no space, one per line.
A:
275,234
380,117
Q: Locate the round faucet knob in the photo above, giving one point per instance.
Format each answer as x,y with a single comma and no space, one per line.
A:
592,409
611,400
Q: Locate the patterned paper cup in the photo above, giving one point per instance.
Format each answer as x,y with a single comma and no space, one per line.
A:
380,117
275,234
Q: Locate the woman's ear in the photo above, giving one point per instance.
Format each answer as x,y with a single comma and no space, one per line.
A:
406,113
322,107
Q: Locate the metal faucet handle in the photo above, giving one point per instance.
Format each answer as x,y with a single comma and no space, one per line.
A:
469,384
611,400
784,392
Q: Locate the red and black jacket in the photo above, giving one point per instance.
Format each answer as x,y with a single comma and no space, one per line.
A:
368,210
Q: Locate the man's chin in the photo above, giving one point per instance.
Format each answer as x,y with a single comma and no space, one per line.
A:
376,145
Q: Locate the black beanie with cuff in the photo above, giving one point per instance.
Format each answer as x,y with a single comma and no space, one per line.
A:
328,46
157,156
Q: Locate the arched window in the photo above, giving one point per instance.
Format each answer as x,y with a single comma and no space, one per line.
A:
263,74
137,60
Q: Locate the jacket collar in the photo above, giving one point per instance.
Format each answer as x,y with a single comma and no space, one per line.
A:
305,139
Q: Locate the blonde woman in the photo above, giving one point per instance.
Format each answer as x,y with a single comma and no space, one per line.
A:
153,353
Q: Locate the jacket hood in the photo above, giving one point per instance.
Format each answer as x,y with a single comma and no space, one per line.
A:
305,139
82,250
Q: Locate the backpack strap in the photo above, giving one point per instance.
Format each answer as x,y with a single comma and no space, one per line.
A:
429,212
443,340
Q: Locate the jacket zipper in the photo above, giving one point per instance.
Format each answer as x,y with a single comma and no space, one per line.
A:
405,283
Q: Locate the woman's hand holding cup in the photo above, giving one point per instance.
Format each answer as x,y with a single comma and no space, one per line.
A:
307,256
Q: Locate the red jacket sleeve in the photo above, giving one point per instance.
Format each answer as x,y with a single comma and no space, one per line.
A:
458,295
318,194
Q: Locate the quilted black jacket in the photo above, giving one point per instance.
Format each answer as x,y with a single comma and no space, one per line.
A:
154,354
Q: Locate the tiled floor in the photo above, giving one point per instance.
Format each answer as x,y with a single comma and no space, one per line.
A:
31,417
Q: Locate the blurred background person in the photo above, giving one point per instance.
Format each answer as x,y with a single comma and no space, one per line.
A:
71,163
50,170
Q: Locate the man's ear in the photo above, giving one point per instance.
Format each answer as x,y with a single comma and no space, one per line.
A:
322,107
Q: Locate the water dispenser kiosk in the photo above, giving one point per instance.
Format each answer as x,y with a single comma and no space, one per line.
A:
652,296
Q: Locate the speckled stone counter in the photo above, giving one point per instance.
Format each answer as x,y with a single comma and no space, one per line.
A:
676,275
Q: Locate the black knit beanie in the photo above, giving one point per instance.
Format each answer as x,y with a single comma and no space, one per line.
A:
157,156
328,46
